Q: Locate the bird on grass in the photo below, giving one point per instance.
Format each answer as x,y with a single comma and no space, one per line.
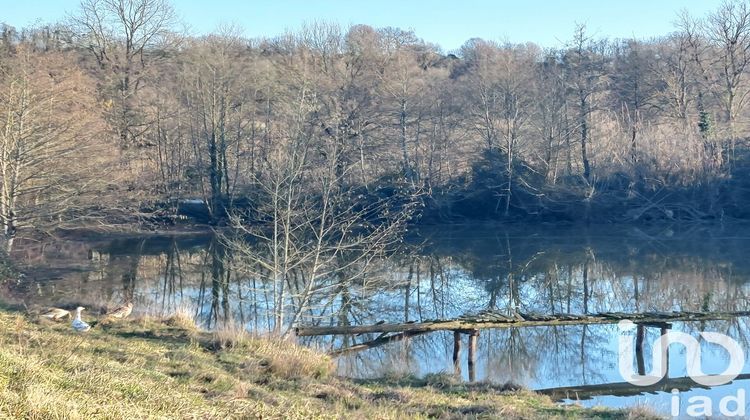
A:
78,324
55,314
121,312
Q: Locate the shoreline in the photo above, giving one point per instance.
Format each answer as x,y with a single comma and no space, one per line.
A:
149,367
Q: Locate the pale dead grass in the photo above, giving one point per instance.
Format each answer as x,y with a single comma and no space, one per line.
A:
148,368
183,318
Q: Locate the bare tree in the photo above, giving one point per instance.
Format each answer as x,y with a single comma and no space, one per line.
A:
315,233
500,88
550,119
701,57
402,83
634,89
586,77
46,157
216,97
728,31
125,36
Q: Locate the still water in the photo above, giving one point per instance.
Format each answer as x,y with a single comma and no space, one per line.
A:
444,272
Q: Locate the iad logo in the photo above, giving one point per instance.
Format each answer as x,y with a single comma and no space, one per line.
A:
697,405
660,347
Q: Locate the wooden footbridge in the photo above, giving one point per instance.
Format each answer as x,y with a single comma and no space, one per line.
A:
493,319
471,324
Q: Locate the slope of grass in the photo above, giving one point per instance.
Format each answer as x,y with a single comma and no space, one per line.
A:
167,369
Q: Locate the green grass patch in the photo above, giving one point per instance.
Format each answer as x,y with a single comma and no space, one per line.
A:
150,368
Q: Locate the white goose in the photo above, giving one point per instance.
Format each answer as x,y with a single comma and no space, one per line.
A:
78,324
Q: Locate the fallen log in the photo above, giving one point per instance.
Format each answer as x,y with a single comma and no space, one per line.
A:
375,343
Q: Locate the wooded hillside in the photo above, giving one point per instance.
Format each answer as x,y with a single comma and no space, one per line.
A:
114,116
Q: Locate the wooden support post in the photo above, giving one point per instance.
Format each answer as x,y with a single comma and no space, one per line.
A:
457,353
473,335
663,331
639,337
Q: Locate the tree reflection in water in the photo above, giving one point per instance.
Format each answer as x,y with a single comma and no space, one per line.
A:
443,273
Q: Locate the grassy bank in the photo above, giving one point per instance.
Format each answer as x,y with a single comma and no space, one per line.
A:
167,369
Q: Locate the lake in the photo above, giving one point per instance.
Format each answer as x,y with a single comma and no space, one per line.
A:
444,272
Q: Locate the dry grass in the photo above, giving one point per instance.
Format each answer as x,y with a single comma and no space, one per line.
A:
290,361
642,412
147,368
182,318
230,335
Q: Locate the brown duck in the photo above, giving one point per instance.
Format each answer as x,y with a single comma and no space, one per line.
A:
121,312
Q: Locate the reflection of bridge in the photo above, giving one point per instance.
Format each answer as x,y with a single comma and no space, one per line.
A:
626,389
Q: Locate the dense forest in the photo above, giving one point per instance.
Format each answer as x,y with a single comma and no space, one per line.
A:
116,116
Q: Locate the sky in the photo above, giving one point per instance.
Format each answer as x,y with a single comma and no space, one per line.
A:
447,23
